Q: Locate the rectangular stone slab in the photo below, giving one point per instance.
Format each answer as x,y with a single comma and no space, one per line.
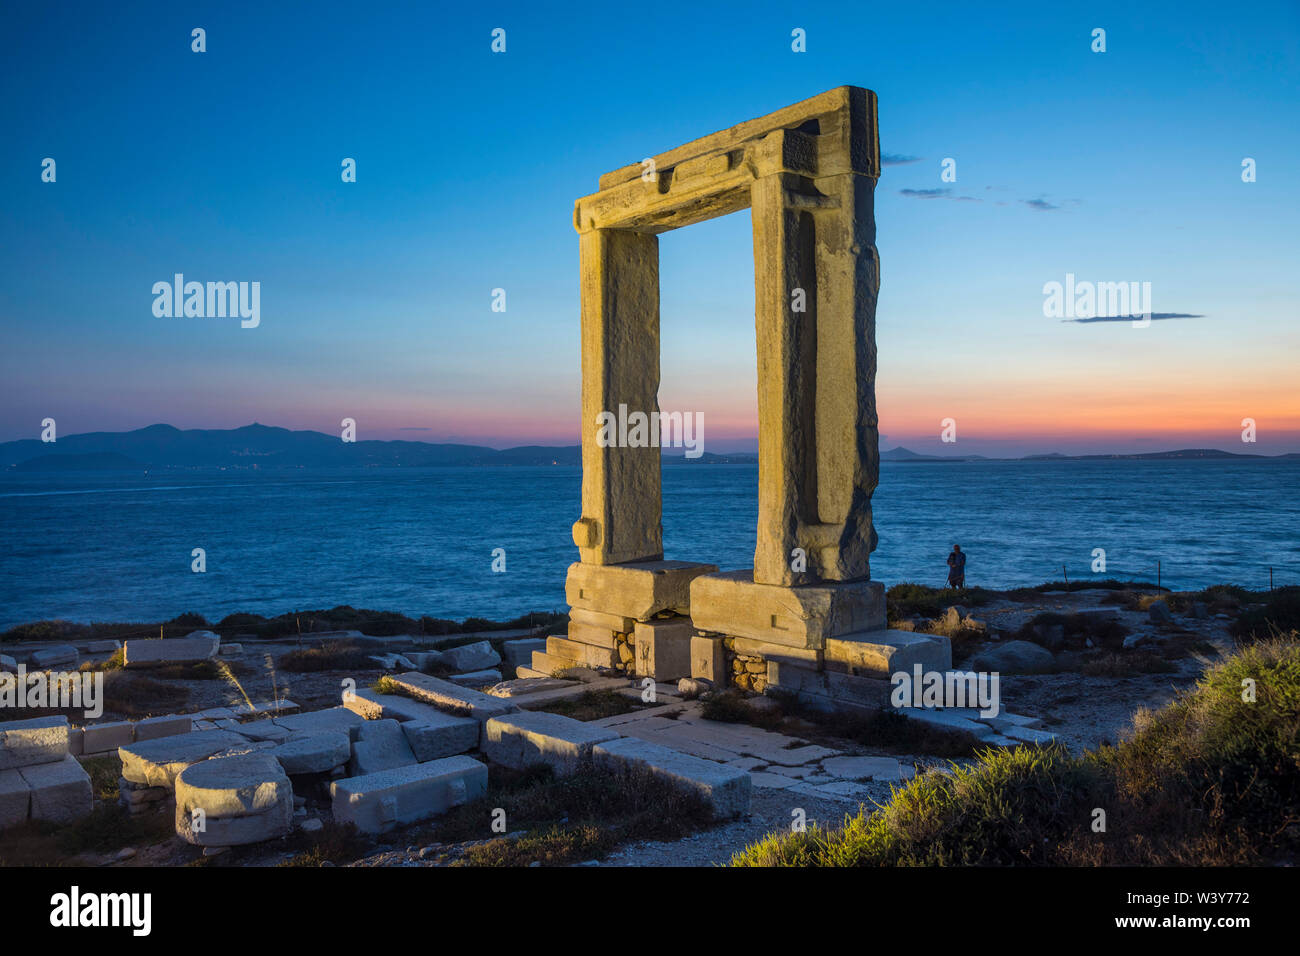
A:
173,650
332,718
613,622
519,652
441,735
726,788
392,798
452,698
380,745
53,656
15,799
524,739
639,590
155,763
167,726
24,743
579,653
98,738
804,616
591,634
61,792
884,653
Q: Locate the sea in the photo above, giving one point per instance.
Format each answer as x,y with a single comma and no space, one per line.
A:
494,542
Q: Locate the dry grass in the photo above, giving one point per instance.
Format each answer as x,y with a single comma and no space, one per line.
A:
1210,780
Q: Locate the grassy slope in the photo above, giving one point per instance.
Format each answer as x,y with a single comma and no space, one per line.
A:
1209,780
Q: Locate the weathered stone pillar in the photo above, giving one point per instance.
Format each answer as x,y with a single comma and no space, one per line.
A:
622,507
816,277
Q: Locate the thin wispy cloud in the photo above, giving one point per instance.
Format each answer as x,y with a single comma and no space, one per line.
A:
1040,204
898,159
1155,317
941,193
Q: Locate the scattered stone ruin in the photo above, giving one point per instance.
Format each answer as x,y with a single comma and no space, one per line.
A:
807,618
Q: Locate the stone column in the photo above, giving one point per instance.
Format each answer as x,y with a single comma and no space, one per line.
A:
818,457
622,510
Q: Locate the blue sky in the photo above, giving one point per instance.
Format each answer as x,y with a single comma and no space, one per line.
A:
376,295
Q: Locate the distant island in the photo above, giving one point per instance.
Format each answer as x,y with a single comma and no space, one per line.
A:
903,454
258,447
262,447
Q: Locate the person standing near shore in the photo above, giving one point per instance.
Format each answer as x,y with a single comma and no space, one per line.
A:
956,568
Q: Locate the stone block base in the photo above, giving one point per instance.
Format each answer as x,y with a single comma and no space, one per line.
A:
888,652
802,617
662,648
709,658
638,591
829,690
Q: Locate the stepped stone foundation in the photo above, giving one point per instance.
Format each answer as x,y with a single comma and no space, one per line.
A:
807,173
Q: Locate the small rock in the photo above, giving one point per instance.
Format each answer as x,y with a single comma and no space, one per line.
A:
1159,612
125,853
1133,640
215,850
693,686
311,826
1014,657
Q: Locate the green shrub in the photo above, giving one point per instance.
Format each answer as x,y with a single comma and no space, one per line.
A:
1210,779
1278,611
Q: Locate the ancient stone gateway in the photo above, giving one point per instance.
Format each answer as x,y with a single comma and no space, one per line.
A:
808,174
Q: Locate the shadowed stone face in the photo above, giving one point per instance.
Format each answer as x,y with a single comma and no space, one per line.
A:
808,174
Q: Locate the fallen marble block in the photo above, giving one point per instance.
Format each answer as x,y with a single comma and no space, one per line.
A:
476,678
169,725
381,801
175,650
471,657
380,745
452,698
15,799
156,763
25,743
61,792
536,737
317,721
97,738
727,789
52,656
441,735
314,752
232,801
523,686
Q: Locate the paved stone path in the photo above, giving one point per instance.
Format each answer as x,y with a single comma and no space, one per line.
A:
774,761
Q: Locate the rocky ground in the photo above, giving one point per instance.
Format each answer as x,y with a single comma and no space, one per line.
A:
1086,696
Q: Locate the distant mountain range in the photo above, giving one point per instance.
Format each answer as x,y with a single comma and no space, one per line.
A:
263,447
160,447
902,454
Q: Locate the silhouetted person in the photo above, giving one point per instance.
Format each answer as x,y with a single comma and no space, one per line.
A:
956,568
